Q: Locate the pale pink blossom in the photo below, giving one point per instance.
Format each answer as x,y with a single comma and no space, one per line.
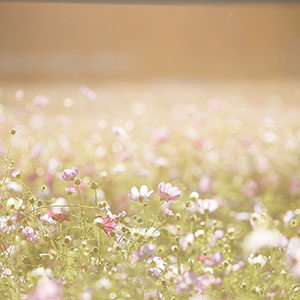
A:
168,212
211,259
186,241
288,217
88,93
70,190
69,174
293,256
294,185
145,251
140,195
207,205
186,282
206,282
48,290
205,184
30,233
168,192
250,188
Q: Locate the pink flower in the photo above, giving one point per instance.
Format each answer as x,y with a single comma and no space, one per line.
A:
30,233
293,256
207,205
250,188
294,186
105,223
145,251
288,217
162,135
218,235
168,212
88,93
140,195
212,259
205,184
206,282
69,174
168,192
70,190
187,282
48,290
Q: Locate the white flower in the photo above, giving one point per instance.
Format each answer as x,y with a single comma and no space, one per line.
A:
140,195
186,241
14,186
261,238
8,224
151,232
257,260
207,205
13,203
47,219
156,266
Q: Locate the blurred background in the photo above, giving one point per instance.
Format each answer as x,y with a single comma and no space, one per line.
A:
95,42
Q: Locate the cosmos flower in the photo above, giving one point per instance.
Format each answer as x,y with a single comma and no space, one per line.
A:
156,266
30,233
69,174
47,219
187,282
145,251
168,192
70,190
206,282
168,212
47,290
257,259
288,217
261,238
16,173
206,205
105,223
205,184
186,241
150,232
293,256
8,224
59,206
140,195
211,260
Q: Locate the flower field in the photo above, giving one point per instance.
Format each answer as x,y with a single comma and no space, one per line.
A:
150,191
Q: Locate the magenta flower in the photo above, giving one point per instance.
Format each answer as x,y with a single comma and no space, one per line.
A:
69,174
106,223
168,192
